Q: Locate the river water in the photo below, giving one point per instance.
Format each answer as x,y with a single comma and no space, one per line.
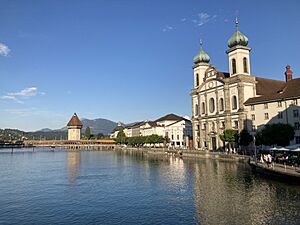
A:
58,187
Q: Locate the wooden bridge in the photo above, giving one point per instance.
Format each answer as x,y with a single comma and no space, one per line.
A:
105,144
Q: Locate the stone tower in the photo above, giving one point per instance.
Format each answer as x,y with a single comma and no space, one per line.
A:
74,128
238,53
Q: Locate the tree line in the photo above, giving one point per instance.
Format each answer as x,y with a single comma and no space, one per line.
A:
139,140
272,134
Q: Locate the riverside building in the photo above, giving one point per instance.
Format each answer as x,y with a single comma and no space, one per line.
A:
177,129
237,99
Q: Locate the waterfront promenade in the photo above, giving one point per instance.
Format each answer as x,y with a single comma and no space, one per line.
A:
277,170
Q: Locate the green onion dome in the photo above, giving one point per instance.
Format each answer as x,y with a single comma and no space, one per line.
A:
237,38
202,56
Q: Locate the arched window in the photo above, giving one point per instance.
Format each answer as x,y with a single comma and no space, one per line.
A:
203,108
233,64
221,104
234,102
211,105
197,79
196,110
245,63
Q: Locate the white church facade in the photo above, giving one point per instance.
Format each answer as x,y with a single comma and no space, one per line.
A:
238,100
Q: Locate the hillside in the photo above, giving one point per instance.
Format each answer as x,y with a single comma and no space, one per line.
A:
100,125
97,126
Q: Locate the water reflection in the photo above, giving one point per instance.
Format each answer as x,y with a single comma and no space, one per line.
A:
73,161
228,193
111,188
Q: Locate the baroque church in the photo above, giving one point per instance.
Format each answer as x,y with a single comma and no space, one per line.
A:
237,99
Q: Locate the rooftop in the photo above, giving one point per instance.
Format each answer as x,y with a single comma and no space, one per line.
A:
274,90
74,121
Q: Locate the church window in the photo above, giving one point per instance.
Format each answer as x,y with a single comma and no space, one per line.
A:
280,115
266,106
253,117
221,104
297,138
234,102
266,116
203,108
211,105
245,65
197,79
233,64
252,107
296,113
279,104
196,110
213,126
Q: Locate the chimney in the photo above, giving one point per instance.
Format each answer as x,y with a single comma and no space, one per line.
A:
288,73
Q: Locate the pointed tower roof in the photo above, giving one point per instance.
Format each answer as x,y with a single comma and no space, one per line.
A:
75,121
202,56
238,38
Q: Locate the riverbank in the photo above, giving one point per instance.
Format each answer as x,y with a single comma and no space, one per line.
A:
184,153
279,171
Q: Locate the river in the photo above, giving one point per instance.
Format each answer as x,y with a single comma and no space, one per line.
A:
104,187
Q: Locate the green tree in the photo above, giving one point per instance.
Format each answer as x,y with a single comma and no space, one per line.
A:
121,137
230,136
277,134
100,136
87,133
258,138
245,139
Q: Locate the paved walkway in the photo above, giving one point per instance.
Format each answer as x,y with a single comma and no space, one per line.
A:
287,170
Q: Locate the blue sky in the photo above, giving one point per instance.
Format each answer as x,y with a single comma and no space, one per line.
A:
127,60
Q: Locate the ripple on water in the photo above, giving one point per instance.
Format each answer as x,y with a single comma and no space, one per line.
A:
108,188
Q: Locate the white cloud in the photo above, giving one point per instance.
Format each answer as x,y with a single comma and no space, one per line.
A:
167,28
203,18
4,50
183,20
25,93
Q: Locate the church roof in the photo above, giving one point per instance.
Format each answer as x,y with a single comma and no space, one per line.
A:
75,121
202,56
238,38
274,90
171,117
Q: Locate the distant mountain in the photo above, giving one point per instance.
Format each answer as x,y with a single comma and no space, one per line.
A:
97,126
45,130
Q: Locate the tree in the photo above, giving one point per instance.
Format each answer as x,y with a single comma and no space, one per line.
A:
230,136
121,137
87,133
100,136
277,134
258,138
245,139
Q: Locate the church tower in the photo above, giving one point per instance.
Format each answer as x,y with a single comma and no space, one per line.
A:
201,63
238,53
74,128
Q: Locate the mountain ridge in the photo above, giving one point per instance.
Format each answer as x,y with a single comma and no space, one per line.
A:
99,125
